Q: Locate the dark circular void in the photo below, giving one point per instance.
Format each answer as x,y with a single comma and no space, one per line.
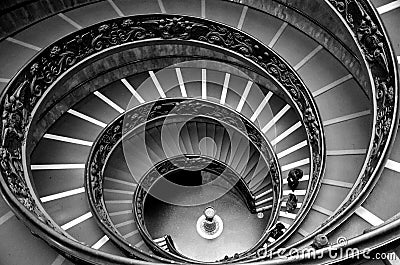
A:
241,231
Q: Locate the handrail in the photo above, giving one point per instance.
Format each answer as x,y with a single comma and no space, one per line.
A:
369,34
160,121
70,6
127,123
21,95
169,165
169,243
386,123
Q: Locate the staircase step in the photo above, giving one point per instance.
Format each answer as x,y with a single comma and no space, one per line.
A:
98,12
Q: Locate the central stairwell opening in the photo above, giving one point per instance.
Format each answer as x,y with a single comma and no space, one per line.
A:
241,228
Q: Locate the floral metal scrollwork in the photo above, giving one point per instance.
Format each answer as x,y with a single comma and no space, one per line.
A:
24,92
370,37
128,122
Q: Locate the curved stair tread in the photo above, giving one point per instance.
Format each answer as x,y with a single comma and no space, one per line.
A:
334,95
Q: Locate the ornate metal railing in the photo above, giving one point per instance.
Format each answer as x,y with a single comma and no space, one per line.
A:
127,124
190,162
19,24
22,94
369,34
363,22
168,243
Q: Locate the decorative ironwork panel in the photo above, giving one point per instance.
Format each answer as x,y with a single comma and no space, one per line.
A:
27,88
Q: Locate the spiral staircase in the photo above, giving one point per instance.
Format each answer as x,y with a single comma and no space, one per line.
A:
122,120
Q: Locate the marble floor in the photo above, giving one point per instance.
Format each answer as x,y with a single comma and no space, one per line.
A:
241,228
